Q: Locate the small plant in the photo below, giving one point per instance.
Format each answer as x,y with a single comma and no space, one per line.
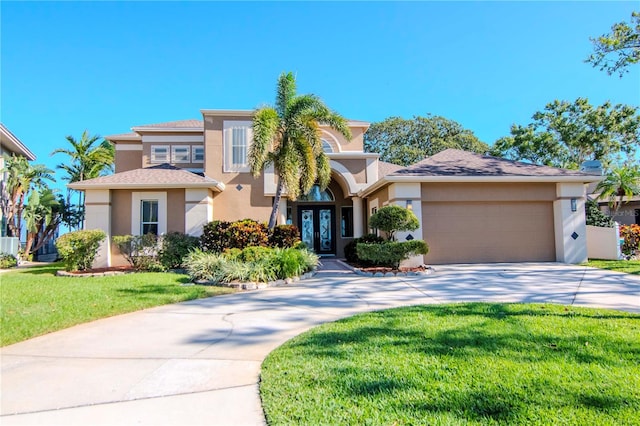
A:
391,219
201,265
141,251
7,261
631,239
351,252
78,249
391,253
175,246
284,236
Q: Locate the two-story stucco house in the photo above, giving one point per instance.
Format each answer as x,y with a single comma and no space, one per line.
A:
177,176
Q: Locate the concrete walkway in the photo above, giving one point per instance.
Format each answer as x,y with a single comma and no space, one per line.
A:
198,362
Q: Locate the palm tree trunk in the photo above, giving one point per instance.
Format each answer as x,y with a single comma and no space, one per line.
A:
276,203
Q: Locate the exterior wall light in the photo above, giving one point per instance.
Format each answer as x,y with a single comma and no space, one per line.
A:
409,205
574,205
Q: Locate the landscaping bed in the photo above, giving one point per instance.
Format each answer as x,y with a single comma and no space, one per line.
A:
471,363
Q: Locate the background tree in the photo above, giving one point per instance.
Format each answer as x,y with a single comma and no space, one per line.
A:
21,177
89,157
566,134
287,135
405,142
615,51
42,217
618,183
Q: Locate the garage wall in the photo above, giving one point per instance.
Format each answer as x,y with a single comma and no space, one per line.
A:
488,222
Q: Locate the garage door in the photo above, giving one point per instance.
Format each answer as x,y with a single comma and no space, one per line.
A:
489,232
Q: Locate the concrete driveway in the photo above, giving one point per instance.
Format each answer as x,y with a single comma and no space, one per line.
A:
198,362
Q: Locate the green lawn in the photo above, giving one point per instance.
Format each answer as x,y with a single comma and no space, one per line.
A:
628,266
34,301
462,364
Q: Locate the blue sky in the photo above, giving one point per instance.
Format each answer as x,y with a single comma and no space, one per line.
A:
108,66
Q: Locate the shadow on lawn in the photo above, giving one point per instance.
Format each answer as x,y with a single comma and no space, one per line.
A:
49,269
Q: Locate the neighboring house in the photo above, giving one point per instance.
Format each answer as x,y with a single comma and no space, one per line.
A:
178,176
627,214
9,145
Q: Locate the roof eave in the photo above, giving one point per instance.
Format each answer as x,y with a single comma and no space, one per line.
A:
80,186
18,146
476,179
168,129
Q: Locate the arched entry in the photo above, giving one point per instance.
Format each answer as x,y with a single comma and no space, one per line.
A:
320,216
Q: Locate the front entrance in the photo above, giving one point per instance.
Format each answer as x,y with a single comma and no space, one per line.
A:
317,228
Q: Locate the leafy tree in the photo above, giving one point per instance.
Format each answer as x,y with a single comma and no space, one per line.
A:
392,218
287,135
405,142
620,182
21,177
566,134
615,51
595,217
88,158
42,217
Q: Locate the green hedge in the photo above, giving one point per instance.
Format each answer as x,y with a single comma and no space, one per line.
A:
219,235
351,250
78,249
391,253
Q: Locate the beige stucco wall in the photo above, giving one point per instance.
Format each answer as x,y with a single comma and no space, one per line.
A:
357,167
628,214
127,160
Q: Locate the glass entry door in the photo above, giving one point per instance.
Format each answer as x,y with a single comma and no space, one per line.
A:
317,228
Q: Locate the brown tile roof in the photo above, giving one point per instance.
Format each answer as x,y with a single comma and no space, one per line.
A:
455,162
385,168
188,124
160,176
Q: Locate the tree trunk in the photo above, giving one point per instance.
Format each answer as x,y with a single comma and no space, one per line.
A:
276,204
27,247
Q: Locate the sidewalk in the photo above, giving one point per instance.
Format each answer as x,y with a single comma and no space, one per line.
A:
198,362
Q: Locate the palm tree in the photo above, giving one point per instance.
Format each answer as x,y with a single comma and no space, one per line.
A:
22,177
620,182
88,159
42,217
287,136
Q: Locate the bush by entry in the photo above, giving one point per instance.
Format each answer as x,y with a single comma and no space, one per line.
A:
471,363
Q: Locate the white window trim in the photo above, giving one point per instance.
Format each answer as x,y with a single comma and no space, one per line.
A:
136,211
153,155
228,127
193,154
175,148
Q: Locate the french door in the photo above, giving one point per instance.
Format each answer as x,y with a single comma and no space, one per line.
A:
318,228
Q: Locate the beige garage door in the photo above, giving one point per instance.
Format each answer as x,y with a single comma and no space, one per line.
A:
489,232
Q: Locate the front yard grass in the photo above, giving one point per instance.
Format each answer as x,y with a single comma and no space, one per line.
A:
34,301
627,266
460,364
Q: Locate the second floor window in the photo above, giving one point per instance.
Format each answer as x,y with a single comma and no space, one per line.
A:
197,154
160,154
180,154
237,141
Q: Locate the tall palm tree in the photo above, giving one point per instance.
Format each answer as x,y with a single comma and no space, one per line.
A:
89,158
287,136
620,182
42,217
22,177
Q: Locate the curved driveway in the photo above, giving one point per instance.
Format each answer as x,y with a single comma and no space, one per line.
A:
198,362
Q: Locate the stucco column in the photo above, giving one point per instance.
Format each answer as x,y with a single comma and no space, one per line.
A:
97,204
282,211
570,226
358,220
196,211
408,195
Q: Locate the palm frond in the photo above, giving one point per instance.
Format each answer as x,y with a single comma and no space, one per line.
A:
265,131
286,91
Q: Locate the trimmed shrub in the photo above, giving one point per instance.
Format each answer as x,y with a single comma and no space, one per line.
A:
595,217
78,249
141,251
175,246
256,253
7,261
391,253
284,236
631,239
218,236
391,219
351,252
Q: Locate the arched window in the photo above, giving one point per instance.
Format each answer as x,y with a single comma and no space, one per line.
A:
316,195
326,146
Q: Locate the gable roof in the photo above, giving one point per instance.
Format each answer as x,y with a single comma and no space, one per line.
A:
160,176
454,165
385,168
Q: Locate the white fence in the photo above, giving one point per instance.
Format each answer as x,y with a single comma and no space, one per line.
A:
9,245
603,243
